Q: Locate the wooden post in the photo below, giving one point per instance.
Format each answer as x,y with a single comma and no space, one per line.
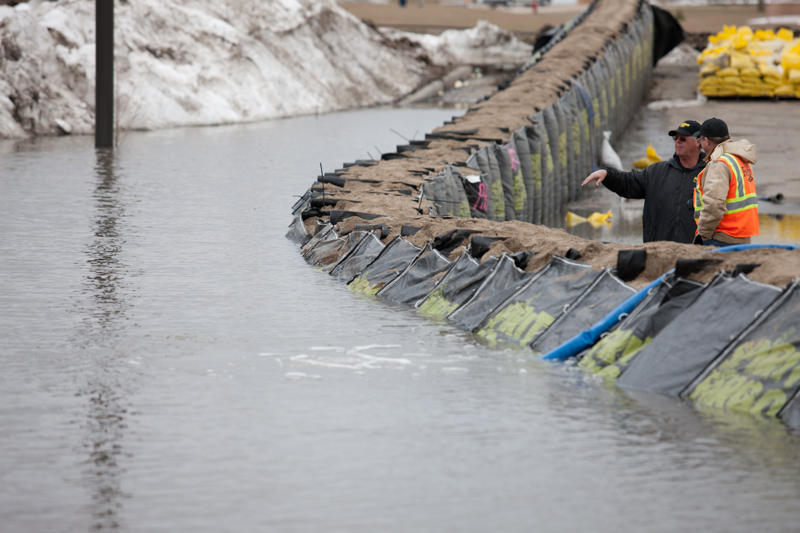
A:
104,74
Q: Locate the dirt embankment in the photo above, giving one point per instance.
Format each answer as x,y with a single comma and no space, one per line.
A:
390,187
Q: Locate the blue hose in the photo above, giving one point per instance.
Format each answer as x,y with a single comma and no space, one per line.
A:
740,247
588,337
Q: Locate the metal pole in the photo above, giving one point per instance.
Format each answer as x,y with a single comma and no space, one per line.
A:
104,74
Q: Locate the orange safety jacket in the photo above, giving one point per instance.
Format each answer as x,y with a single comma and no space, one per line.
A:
741,217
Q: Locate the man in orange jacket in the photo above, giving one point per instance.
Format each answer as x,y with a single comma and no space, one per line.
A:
725,202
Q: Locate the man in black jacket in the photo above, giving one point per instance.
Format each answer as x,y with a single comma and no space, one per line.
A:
666,187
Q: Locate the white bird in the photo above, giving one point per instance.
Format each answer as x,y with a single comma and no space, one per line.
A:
608,156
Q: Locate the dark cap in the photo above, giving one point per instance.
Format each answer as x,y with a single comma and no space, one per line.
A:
714,128
687,127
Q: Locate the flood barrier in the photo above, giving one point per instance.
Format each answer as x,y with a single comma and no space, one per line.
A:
447,226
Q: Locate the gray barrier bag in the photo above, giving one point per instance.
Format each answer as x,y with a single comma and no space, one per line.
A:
418,279
457,286
554,197
612,353
543,157
759,372
503,281
358,259
514,193
397,255
536,304
528,173
682,349
447,194
603,295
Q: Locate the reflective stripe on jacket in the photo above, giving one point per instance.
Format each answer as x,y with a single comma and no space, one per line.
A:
741,205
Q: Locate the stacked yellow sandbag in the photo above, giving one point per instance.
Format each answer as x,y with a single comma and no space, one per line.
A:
651,156
741,62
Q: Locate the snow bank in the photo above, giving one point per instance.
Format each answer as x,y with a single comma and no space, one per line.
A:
201,62
483,44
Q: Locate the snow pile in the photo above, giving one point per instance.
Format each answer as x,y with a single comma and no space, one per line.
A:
483,44
201,62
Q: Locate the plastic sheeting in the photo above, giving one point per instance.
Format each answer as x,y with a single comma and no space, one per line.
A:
397,255
606,293
418,279
690,342
760,371
457,286
297,231
502,282
358,259
611,355
325,233
533,307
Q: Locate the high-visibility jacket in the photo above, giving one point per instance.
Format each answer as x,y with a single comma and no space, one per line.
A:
741,216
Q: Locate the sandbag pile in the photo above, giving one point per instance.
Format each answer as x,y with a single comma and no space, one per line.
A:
743,62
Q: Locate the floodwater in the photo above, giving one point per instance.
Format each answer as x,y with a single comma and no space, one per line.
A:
170,363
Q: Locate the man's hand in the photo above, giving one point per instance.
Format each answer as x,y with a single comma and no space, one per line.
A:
595,177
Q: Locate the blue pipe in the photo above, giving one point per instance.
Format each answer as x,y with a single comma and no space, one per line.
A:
588,337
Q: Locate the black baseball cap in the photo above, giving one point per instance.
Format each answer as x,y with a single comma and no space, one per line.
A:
687,127
714,128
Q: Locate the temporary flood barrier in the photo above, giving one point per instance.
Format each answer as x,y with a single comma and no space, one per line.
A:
392,229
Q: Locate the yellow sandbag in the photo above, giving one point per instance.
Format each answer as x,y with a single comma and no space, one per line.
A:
790,60
650,157
573,220
784,90
600,219
794,76
764,35
595,219
768,70
750,73
785,34
741,61
728,72
708,69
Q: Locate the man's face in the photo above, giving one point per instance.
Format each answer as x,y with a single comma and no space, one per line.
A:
707,145
686,146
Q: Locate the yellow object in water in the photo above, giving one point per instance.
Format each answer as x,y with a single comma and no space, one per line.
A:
650,158
595,219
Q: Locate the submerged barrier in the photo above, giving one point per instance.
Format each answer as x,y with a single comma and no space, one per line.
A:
451,225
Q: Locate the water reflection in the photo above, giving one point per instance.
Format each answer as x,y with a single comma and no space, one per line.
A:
105,424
